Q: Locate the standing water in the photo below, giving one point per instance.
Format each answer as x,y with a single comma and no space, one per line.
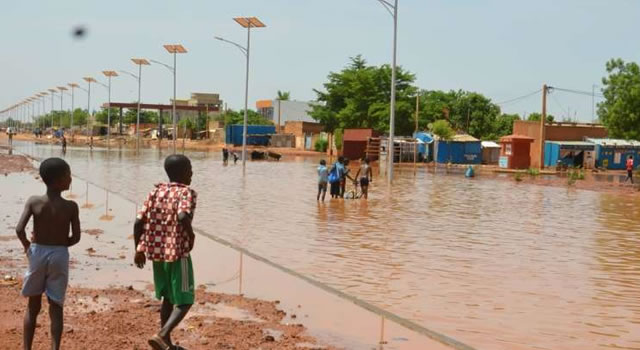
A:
493,263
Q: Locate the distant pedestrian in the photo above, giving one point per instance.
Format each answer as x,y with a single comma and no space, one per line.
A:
365,176
323,179
64,144
629,170
225,155
235,157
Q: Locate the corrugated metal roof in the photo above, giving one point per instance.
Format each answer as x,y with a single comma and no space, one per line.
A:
572,143
490,144
615,142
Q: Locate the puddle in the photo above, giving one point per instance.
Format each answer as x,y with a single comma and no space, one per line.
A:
222,310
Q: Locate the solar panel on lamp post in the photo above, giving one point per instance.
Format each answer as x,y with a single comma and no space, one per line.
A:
245,22
140,62
174,49
43,94
89,80
73,88
53,92
109,74
62,90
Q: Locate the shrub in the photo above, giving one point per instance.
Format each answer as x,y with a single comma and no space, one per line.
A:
321,145
533,172
517,176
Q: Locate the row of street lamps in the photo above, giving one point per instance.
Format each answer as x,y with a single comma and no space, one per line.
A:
245,22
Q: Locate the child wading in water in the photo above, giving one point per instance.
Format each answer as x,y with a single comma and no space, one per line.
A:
365,175
48,252
323,179
163,234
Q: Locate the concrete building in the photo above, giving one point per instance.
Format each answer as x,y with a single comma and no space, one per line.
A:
555,132
280,112
306,133
210,101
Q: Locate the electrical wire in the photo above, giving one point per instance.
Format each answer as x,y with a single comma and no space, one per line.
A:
578,92
519,98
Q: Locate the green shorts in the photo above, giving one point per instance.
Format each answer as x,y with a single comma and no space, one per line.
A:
174,281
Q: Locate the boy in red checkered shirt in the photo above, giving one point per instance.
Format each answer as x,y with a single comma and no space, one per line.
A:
163,234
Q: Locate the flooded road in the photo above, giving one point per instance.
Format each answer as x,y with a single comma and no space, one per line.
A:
495,264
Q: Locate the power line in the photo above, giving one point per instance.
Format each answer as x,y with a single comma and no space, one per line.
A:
578,92
520,98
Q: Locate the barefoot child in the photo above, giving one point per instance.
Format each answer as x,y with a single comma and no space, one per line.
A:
365,175
163,234
48,250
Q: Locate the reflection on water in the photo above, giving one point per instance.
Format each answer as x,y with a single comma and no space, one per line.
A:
496,264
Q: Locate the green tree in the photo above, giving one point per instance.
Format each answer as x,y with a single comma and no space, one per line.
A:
535,117
620,111
103,116
231,117
146,117
283,95
466,111
503,126
442,129
359,96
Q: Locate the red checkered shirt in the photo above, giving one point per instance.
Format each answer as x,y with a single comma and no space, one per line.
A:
163,237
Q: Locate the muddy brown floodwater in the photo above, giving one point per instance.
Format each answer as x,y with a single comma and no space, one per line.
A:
492,263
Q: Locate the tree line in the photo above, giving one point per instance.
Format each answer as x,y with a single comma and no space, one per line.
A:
358,97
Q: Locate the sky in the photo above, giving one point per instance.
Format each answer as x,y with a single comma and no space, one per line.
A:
501,48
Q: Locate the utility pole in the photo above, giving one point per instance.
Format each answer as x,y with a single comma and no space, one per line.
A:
543,119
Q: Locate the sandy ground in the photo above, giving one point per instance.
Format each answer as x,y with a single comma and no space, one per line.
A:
122,317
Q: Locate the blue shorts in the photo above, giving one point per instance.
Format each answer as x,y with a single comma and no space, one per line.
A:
48,272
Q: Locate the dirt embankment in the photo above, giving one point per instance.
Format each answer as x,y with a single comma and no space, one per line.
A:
124,318
14,164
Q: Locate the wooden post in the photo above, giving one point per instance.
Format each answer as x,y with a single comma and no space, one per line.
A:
543,120
279,114
415,137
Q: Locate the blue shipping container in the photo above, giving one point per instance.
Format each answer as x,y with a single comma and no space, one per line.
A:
459,152
257,135
569,153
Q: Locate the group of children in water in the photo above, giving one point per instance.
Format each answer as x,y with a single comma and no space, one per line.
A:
336,178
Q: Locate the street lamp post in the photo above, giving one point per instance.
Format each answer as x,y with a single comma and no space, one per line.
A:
44,107
53,92
174,49
109,74
62,90
89,80
393,11
245,22
73,87
140,62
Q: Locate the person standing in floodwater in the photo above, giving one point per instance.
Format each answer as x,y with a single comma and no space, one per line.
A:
365,176
345,176
48,250
225,156
323,179
335,176
629,170
64,144
163,234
